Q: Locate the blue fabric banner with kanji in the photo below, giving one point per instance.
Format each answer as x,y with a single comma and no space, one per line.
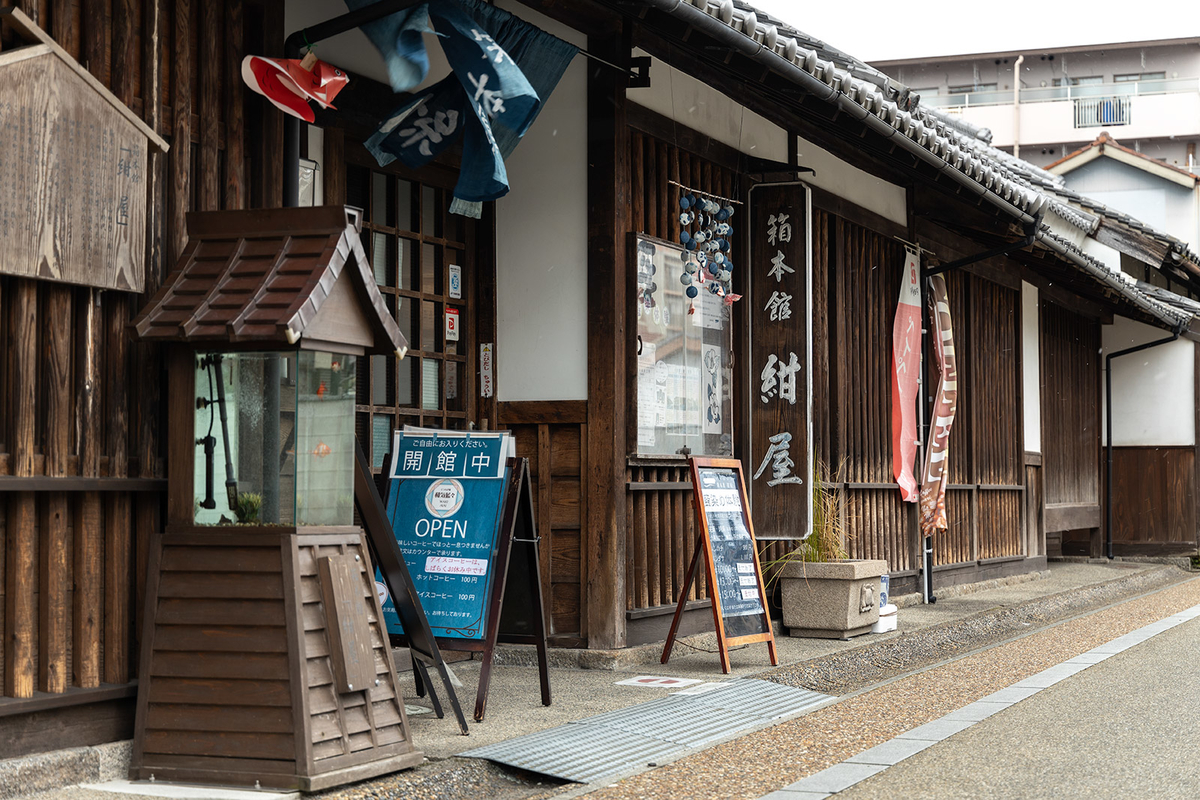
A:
502,70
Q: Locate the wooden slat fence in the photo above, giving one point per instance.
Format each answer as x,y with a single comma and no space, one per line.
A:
80,402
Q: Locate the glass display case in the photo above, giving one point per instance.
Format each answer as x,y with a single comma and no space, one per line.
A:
274,438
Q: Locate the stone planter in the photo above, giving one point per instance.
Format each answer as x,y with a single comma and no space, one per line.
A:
831,600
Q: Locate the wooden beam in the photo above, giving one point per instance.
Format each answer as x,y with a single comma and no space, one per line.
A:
54,578
21,574
180,156
608,299
88,542
235,126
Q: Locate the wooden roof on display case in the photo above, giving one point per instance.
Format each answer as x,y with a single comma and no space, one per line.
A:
283,277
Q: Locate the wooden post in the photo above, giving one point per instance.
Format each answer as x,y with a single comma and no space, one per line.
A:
54,578
210,100
20,563
180,156
88,515
608,315
118,545
235,153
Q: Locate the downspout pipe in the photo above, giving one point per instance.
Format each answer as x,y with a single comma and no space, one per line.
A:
1017,106
718,30
1108,431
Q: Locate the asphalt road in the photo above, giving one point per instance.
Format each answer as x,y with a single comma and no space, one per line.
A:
1128,727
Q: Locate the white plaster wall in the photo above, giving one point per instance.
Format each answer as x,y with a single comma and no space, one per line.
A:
1153,395
853,184
1031,378
678,96
541,245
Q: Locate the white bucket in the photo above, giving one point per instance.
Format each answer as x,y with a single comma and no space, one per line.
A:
887,620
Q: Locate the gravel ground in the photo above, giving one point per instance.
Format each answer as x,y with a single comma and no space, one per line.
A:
845,672
762,762
754,764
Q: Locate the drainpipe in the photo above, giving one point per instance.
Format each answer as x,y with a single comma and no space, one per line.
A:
1017,107
1108,449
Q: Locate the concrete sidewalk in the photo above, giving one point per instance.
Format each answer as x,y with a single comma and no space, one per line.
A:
584,683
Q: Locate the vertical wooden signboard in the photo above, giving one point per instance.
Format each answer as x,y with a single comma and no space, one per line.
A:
780,354
726,542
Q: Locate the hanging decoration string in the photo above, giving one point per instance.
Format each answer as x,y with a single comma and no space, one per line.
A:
703,193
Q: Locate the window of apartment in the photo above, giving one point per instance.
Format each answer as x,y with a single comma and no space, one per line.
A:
1090,80
968,88
1139,76
423,269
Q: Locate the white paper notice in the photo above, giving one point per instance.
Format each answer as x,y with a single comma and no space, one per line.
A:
711,400
710,311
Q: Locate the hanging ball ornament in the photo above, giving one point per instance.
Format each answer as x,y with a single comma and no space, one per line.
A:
690,267
691,291
685,218
685,202
685,279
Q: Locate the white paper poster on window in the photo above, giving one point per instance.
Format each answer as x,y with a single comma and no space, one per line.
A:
711,399
710,311
646,389
455,282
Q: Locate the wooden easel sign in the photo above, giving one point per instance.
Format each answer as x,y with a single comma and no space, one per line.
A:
462,515
726,542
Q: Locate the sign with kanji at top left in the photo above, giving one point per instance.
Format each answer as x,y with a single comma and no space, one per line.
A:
780,462
444,505
74,176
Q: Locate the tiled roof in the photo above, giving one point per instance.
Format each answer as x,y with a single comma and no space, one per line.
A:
960,150
1106,140
262,276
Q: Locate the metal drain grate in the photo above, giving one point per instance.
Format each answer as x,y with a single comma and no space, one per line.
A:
607,744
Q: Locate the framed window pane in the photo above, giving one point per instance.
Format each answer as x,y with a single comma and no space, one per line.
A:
358,179
409,269
406,382
455,372
381,438
431,385
429,211
383,207
431,269
406,320
429,331
684,361
406,217
379,382
383,258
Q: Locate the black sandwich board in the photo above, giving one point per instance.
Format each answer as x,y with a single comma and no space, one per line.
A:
513,610
726,542
390,561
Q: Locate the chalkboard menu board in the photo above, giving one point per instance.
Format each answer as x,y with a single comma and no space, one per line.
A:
726,541
734,560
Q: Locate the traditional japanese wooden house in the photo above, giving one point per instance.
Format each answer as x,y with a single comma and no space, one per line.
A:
557,312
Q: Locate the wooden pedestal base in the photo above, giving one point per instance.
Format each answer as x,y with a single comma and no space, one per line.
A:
254,639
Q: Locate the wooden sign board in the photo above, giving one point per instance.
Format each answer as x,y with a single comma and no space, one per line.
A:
74,177
494,546
780,354
727,543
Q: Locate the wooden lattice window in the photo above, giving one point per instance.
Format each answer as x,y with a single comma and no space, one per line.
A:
423,266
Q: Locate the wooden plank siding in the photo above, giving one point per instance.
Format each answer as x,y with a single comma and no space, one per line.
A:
660,525
1070,370
856,282
72,580
1154,511
553,436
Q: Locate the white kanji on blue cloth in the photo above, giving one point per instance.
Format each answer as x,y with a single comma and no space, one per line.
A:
502,69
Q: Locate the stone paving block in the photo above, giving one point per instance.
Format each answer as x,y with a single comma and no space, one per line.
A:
1009,695
1051,676
891,752
977,711
1088,658
784,794
836,778
937,730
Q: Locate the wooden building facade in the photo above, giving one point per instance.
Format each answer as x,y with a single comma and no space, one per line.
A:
82,409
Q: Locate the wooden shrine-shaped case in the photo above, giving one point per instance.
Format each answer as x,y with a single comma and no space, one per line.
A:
265,661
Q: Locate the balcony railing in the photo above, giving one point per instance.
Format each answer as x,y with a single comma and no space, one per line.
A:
1091,112
1097,91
